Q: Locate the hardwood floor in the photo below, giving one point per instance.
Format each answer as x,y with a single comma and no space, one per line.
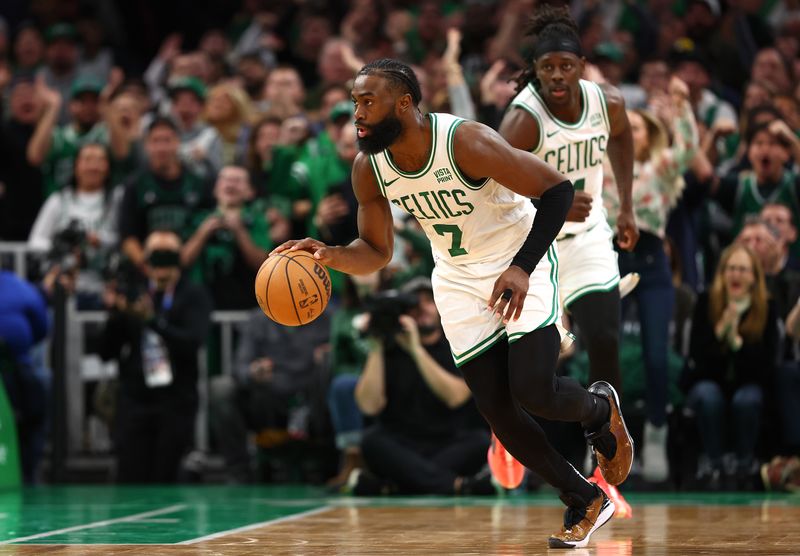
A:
430,527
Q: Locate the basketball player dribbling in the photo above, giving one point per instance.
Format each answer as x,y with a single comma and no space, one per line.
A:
572,124
495,281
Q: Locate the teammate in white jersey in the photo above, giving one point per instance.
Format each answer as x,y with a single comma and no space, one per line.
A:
495,281
572,124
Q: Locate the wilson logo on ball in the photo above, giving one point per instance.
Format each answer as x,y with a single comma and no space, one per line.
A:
323,275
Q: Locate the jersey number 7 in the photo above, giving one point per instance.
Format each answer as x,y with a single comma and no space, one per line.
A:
455,245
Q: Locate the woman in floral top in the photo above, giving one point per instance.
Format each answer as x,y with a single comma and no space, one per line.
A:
657,186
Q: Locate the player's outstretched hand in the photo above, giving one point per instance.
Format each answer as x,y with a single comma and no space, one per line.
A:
508,294
320,251
627,231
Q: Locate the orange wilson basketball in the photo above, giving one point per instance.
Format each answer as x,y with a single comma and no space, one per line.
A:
292,288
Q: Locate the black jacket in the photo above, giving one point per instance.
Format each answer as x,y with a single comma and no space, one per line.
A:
183,326
710,359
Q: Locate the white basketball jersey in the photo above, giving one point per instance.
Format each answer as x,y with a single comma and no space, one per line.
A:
576,150
466,221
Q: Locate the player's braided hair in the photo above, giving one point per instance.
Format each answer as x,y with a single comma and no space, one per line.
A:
400,76
549,22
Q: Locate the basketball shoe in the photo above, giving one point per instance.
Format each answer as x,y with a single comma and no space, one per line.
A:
622,510
581,519
628,283
612,443
506,470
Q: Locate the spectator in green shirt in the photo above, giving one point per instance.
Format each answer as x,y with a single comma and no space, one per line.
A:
269,159
318,169
55,147
229,243
161,196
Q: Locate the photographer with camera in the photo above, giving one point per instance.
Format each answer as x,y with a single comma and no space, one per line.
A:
77,226
155,331
422,442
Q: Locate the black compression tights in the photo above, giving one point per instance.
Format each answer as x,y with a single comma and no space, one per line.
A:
597,317
508,382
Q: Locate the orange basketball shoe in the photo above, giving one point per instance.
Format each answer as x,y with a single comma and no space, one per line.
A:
612,443
622,508
506,470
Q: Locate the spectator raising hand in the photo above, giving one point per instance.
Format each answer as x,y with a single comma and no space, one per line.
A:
783,132
50,100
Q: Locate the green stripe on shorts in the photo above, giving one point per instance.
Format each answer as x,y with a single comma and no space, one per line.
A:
608,286
552,256
480,347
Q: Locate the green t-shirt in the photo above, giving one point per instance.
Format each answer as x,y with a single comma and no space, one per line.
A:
151,204
315,173
750,199
221,267
272,183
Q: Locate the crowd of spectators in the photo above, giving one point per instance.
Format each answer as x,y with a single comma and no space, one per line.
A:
154,159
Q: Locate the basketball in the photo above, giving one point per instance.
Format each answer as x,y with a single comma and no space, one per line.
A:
293,288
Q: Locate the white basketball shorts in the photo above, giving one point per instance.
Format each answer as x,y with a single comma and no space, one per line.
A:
462,296
587,263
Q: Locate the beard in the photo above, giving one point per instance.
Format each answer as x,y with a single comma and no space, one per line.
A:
381,135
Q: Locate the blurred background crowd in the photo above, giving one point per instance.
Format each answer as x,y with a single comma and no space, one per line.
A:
152,153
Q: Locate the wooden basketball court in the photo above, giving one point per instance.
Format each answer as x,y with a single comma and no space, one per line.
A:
264,520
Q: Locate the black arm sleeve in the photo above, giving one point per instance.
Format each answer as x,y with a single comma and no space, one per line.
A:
551,213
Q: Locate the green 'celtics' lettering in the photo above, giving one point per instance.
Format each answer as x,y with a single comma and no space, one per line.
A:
424,195
455,245
443,194
577,156
468,206
422,214
436,205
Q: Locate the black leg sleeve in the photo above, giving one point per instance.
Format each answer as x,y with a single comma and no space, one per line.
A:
597,317
488,378
532,371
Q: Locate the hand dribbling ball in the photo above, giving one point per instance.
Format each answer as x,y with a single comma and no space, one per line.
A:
292,287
